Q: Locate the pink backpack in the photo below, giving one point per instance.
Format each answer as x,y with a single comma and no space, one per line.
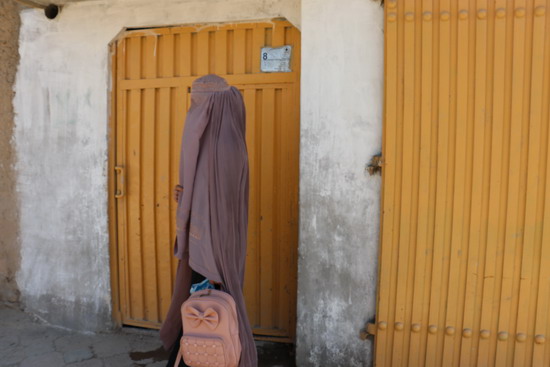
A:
210,330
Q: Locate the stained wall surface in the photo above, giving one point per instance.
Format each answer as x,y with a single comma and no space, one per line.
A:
341,126
9,213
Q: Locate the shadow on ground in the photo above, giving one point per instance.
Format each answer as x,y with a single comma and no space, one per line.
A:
26,341
269,355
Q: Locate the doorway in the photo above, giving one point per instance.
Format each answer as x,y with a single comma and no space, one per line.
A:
153,71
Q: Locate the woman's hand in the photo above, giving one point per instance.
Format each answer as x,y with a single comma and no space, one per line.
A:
178,190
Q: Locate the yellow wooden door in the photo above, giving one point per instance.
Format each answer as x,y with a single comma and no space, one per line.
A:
154,71
464,267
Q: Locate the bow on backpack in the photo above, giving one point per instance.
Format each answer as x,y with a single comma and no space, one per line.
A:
209,317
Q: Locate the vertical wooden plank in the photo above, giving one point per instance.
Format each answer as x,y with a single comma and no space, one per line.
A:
112,183
211,52
403,270
252,273
418,327
477,340
495,208
469,18
276,197
266,207
150,48
296,62
397,196
163,189
502,232
289,35
458,200
531,227
524,252
179,107
541,323
147,183
221,52
283,142
147,205
268,36
121,160
135,280
450,189
202,51
382,344
230,51
134,194
133,58
166,56
194,54
278,39
415,178
433,196
450,104
186,54
475,242
178,111
258,108
249,54
163,196
177,54
435,328
258,36
239,51
512,227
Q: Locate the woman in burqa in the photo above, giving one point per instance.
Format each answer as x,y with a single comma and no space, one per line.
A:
212,214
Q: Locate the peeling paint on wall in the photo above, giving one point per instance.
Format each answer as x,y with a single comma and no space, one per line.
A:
61,141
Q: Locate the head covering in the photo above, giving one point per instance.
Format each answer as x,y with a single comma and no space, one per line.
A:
212,215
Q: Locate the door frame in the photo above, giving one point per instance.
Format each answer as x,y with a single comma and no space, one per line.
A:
117,317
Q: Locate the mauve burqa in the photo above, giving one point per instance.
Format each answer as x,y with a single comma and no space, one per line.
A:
212,214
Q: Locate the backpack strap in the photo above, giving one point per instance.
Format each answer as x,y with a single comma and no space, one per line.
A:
178,359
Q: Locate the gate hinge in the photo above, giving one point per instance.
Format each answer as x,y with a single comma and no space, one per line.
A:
375,165
370,329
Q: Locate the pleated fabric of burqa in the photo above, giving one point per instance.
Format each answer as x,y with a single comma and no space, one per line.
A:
212,215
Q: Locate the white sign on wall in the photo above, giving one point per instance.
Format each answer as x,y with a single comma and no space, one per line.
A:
276,59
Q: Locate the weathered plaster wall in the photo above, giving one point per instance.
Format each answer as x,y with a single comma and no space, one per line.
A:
9,212
342,84
61,139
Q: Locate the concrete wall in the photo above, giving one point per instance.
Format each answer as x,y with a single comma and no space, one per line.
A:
9,212
61,141
342,84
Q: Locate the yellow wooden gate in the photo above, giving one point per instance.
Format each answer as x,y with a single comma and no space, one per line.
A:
464,275
154,71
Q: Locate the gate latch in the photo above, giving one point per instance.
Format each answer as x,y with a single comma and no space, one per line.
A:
375,165
370,329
